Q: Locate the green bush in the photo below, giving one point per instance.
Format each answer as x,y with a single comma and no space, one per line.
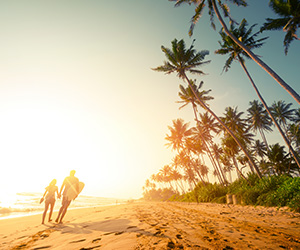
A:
294,203
275,191
210,192
286,194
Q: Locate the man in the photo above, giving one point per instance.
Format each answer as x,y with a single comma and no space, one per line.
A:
70,182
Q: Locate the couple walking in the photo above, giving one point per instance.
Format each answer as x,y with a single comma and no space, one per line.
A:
70,182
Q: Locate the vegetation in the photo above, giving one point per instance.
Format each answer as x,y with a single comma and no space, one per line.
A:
221,155
292,23
275,191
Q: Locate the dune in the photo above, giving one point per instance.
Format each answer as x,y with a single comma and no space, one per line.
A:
147,225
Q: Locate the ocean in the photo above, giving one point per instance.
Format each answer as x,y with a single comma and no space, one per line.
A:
23,204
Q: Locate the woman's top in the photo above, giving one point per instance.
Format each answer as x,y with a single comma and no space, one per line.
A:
51,192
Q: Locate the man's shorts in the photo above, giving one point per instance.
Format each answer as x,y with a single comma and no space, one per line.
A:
65,201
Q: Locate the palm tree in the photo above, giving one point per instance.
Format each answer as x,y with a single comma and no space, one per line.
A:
259,119
289,21
296,117
233,119
236,53
279,159
283,113
230,149
213,10
179,134
182,60
294,134
259,148
201,133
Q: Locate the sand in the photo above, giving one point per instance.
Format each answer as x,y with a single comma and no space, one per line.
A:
143,225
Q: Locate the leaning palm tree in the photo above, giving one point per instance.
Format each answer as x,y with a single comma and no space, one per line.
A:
202,133
289,21
182,60
228,46
213,9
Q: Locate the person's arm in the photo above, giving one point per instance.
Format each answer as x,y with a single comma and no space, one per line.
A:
42,199
61,188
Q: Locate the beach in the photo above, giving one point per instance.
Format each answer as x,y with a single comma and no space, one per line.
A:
157,225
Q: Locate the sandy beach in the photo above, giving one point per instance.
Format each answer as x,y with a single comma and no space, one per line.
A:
142,225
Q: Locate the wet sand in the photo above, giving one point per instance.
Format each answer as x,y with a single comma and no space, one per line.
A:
143,225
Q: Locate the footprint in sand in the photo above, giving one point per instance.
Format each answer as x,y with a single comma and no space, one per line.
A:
96,240
178,236
76,241
89,248
44,247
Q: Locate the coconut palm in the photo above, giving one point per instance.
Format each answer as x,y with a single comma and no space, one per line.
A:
187,96
179,134
236,53
289,21
213,9
259,120
182,60
228,46
296,117
283,113
233,119
231,150
259,148
279,160
294,134
202,131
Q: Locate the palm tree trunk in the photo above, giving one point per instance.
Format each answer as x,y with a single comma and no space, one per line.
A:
227,129
220,177
270,114
281,82
239,173
262,134
220,168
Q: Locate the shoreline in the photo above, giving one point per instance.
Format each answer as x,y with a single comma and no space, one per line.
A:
40,212
157,225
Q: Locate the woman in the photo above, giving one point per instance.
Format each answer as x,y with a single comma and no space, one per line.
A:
49,199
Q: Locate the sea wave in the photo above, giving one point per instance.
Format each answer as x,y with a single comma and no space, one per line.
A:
29,203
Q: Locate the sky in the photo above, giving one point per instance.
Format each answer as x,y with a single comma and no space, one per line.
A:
77,89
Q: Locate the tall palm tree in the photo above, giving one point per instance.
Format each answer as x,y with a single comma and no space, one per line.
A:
259,120
201,132
236,53
182,60
289,21
233,119
213,9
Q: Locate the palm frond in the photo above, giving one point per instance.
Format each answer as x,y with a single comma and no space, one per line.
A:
196,17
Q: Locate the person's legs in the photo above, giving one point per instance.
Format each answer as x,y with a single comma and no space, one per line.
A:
51,209
60,211
45,211
64,211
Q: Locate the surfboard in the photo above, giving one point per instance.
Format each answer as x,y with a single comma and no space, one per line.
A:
72,192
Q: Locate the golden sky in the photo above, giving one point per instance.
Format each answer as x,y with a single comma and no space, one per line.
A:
77,91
